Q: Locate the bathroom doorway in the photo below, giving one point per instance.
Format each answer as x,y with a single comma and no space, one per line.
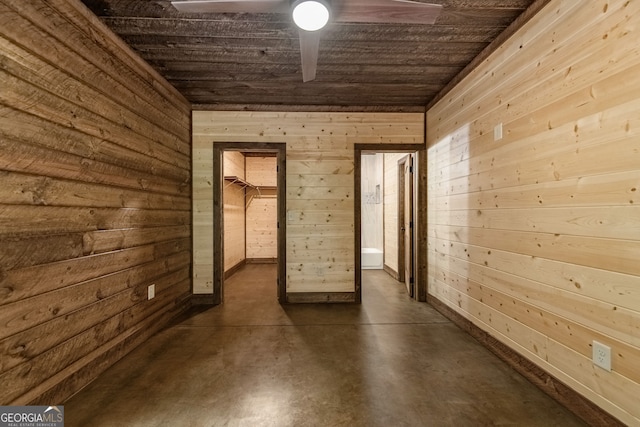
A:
387,207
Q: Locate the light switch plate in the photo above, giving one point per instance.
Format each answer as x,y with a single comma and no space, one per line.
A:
497,132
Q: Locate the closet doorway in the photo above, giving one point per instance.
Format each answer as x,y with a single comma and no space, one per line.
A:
249,200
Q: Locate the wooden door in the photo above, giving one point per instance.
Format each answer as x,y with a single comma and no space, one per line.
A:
405,223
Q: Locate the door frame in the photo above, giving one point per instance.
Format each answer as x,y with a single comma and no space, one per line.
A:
420,219
218,212
401,214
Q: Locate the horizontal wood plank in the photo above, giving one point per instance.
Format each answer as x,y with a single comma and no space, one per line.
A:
21,156
22,189
33,378
532,236
19,219
95,185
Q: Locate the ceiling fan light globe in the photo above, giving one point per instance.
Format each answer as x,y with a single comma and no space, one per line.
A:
310,15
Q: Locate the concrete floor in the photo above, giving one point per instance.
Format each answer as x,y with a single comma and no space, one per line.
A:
252,362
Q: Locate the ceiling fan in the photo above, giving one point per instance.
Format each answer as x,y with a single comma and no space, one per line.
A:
310,16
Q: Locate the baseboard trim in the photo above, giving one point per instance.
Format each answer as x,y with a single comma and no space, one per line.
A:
202,299
569,398
320,297
262,260
104,357
391,272
233,270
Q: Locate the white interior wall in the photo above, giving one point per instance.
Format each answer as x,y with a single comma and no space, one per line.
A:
372,195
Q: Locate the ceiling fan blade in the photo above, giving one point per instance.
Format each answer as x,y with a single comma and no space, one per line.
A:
387,11
230,6
309,49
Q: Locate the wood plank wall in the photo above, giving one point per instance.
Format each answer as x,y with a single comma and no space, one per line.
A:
94,200
535,238
262,220
234,210
262,171
320,180
262,209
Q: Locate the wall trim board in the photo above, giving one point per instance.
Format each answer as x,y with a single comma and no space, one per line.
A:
422,266
311,108
391,272
75,382
233,270
420,269
321,297
202,299
191,210
261,260
569,398
400,198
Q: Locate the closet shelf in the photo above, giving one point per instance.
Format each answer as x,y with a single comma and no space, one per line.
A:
244,184
241,182
238,181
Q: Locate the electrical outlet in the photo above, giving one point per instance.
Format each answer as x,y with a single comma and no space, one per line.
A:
151,291
602,355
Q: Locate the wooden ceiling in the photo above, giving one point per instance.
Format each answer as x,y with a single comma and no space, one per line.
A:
252,61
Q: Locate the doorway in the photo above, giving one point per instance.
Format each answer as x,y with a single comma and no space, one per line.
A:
404,258
405,216
230,252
